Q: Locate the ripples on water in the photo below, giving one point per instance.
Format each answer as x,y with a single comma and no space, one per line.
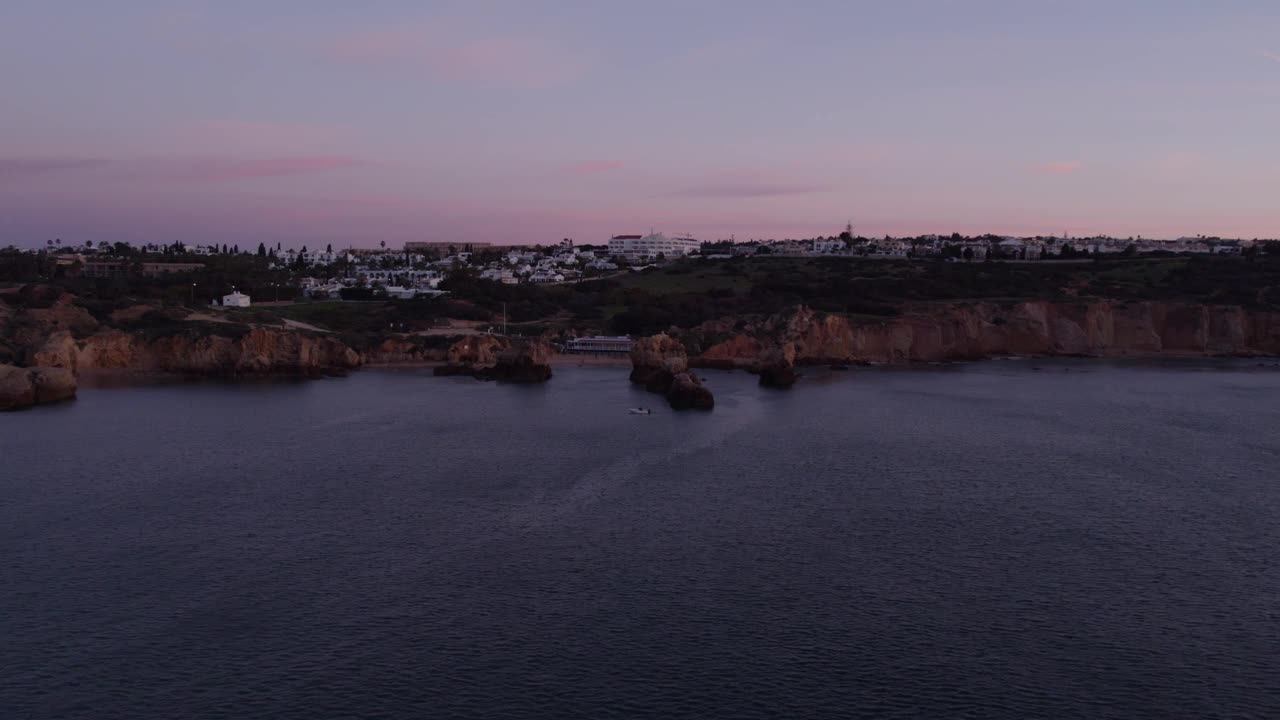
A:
988,542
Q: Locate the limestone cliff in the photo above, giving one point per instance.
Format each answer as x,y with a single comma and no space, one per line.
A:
524,361
970,331
24,387
402,350
242,351
490,357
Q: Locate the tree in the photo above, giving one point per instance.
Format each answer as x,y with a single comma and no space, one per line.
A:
236,249
329,248
383,243
224,248
262,250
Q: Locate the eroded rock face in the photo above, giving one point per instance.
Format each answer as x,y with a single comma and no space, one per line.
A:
16,388
253,352
656,360
53,385
400,350
476,350
688,393
24,387
472,355
777,366
527,361
661,365
971,331
489,357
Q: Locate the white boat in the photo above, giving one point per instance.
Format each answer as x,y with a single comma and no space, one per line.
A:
641,411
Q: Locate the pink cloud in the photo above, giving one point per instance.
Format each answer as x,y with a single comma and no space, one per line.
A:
219,170
1065,167
1269,55
24,167
589,167
748,189
453,54
259,135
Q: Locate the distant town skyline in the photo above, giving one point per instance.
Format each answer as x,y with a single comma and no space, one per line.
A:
522,123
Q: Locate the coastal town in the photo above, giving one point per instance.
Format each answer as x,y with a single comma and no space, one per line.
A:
416,269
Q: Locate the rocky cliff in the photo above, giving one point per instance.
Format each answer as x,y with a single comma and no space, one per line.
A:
242,351
970,331
489,357
661,364
24,387
43,327
526,361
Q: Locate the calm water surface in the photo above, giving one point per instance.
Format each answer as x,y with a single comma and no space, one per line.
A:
991,541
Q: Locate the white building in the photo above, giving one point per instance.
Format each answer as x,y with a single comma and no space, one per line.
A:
829,245
235,299
645,247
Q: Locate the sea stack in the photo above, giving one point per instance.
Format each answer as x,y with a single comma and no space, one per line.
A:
777,366
661,364
524,361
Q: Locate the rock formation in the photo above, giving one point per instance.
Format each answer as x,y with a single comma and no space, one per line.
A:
476,350
777,366
24,387
472,355
242,351
971,331
527,361
688,393
656,360
489,357
661,365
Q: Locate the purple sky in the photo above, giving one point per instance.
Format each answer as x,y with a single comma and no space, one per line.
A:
309,121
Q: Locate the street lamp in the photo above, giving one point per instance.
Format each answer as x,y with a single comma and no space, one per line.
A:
193,293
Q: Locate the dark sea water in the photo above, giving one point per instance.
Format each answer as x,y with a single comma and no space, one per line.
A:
988,541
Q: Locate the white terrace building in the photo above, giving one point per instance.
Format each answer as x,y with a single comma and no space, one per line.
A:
646,247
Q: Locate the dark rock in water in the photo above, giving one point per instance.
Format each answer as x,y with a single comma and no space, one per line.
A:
524,362
656,360
661,364
777,366
688,393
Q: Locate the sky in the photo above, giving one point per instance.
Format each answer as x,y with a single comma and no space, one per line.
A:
329,121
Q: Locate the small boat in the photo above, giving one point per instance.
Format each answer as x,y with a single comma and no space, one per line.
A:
641,411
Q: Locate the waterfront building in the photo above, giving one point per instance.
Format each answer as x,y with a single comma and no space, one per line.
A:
619,344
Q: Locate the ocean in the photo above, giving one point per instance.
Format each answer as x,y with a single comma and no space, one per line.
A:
1018,539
